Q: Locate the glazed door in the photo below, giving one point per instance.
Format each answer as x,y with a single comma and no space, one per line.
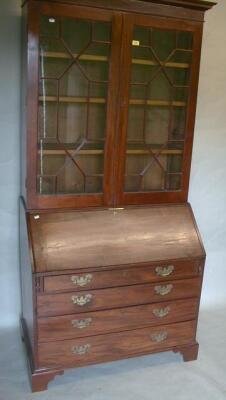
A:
157,109
78,53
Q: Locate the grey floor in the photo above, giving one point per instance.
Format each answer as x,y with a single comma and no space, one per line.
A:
158,377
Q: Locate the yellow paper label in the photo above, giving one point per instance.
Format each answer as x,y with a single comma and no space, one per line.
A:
136,43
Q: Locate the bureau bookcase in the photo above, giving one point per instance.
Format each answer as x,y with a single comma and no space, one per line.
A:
111,258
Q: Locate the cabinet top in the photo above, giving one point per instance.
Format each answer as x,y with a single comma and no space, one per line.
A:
103,238
200,5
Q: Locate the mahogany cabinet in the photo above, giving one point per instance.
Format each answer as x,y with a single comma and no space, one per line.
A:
111,258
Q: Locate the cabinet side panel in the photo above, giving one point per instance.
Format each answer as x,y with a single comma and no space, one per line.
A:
23,145
26,278
190,125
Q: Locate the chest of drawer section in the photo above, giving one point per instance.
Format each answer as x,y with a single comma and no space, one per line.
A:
85,304
111,298
115,320
127,276
95,349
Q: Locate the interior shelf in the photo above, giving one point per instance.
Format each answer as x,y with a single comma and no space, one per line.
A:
100,152
160,103
99,100
70,99
90,57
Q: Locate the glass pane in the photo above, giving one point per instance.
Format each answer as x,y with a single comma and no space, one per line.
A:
159,92
144,173
74,68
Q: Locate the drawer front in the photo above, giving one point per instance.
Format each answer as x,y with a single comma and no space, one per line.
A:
78,302
124,277
95,349
99,322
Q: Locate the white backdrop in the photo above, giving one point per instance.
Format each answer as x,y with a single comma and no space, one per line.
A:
9,159
208,176
207,187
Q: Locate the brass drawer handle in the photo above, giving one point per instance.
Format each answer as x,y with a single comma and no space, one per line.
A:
161,312
164,271
163,290
80,350
159,337
81,280
81,300
81,323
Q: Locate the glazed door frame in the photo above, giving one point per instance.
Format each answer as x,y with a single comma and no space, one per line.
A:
117,107
34,199
130,21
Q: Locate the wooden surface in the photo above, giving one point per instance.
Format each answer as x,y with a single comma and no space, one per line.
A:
189,353
28,298
90,57
117,104
34,200
120,249
82,239
115,346
196,4
187,9
98,100
39,379
121,319
121,277
103,299
157,196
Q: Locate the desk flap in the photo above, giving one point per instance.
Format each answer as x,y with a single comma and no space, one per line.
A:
100,238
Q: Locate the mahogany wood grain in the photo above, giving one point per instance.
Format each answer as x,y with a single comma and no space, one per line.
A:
115,346
65,235
65,201
103,299
192,4
102,322
123,107
31,110
124,277
89,239
113,92
183,11
154,197
189,353
28,290
35,200
61,9
39,379
190,123
193,10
